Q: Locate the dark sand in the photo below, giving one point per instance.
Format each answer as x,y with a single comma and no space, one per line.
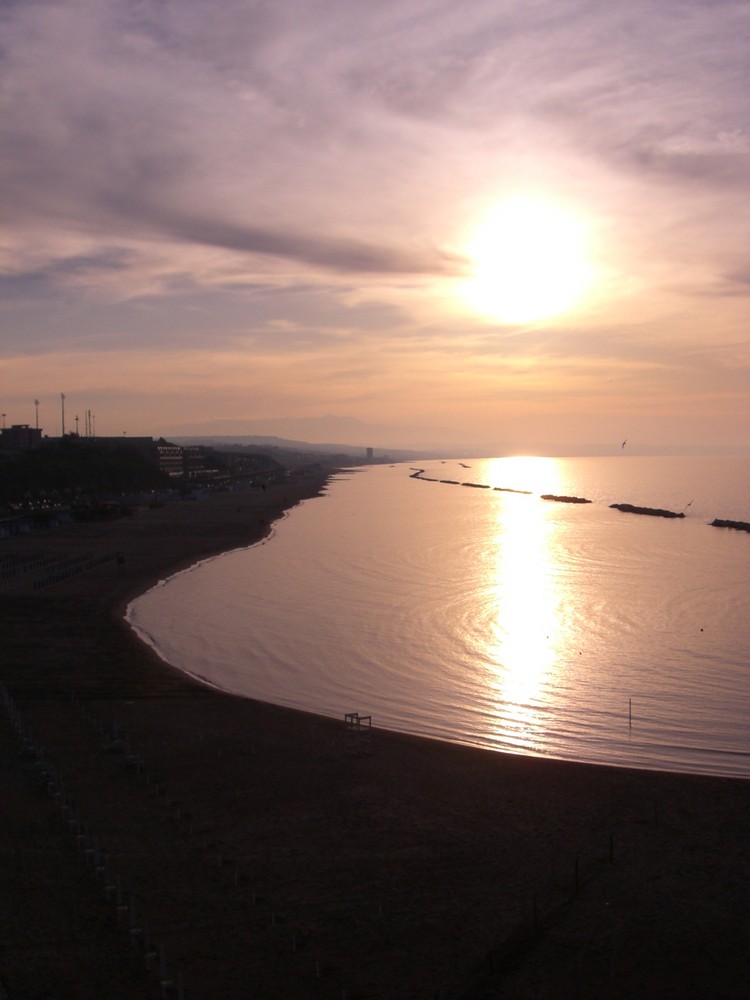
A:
259,857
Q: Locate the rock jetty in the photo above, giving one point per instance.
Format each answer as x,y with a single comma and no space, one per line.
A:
629,508
551,496
737,525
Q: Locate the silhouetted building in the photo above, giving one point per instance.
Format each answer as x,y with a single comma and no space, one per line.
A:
170,458
164,454
20,437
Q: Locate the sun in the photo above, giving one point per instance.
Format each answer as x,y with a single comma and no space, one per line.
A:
529,261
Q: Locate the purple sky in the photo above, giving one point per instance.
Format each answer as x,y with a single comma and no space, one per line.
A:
219,214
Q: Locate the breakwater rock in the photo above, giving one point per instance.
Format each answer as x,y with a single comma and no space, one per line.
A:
629,508
737,525
551,496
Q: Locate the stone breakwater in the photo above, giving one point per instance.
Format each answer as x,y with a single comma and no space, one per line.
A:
551,496
628,508
737,525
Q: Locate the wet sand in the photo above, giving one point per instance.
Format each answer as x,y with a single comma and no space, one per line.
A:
159,838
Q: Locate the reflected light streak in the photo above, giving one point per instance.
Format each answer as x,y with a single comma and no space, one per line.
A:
525,472
526,624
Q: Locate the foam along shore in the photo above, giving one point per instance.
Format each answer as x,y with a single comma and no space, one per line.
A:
159,836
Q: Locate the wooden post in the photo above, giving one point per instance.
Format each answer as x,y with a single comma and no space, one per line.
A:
164,981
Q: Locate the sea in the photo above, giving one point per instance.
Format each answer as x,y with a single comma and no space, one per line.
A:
449,599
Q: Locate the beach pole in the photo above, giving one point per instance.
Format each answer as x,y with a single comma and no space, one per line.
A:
119,904
164,981
98,867
135,930
149,953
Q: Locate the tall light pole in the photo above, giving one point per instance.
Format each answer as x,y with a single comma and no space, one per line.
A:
36,409
62,404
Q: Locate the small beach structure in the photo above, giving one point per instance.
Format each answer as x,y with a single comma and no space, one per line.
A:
358,733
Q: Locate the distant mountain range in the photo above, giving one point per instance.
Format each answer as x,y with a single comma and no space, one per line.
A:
328,435
271,443
345,435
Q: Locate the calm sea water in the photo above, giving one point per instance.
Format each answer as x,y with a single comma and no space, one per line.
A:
494,618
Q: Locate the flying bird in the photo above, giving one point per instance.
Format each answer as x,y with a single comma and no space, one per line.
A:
624,443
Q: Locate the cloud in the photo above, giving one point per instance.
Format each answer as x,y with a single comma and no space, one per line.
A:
297,180
345,255
119,121
76,268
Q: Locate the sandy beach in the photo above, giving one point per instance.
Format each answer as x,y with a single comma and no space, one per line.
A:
161,839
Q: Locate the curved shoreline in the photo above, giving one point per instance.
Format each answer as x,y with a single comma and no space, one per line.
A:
265,855
219,662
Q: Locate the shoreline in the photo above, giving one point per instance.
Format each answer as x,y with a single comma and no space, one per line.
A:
266,858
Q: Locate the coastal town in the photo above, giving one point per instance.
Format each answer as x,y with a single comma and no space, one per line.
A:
49,481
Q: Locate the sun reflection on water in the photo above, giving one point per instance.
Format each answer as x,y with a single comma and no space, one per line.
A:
526,631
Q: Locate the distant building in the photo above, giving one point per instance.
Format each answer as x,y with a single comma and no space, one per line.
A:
20,437
164,454
170,458
369,453
184,462
141,443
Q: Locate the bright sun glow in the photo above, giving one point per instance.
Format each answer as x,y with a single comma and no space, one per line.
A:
530,261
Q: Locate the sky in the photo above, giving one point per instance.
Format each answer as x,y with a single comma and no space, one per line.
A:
493,223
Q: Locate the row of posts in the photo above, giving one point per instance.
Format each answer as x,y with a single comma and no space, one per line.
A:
125,901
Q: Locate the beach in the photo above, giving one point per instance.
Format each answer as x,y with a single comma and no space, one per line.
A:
161,838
